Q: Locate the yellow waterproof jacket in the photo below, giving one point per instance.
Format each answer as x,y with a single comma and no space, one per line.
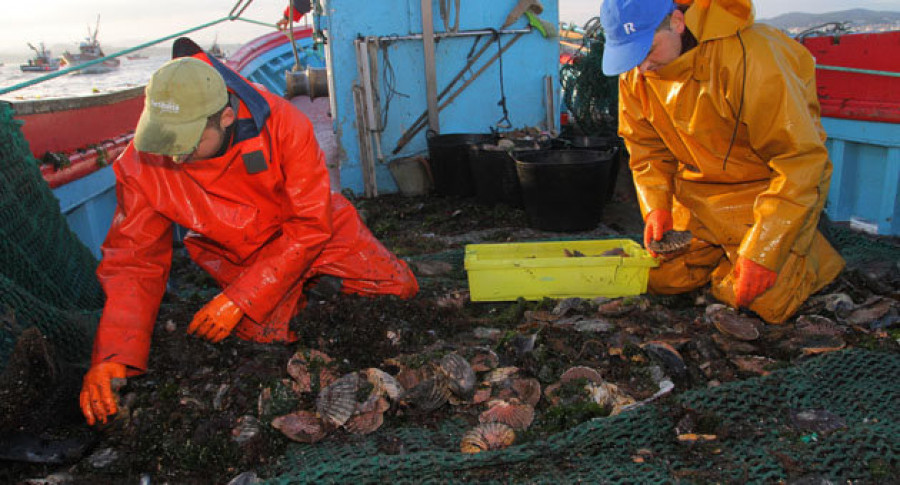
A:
750,82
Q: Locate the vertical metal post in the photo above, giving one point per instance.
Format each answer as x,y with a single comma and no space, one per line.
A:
550,105
366,155
430,68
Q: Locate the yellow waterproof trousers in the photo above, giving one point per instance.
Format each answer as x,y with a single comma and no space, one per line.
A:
705,263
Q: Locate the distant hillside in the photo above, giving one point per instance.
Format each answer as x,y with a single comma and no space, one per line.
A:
859,19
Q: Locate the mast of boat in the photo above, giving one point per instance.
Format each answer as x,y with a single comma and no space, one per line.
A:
96,30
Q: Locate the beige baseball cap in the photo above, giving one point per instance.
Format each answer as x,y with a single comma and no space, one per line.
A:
180,96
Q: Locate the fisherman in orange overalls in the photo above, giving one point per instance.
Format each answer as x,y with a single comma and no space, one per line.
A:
721,119
241,169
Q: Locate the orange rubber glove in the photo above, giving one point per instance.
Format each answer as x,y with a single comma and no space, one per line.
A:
216,319
751,280
97,398
657,223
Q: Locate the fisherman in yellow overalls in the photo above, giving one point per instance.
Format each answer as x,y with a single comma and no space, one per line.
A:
721,119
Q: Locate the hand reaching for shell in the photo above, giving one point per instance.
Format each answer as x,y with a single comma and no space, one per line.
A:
216,319
97,398
658,221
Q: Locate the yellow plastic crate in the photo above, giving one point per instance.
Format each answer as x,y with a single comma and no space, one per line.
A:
505,272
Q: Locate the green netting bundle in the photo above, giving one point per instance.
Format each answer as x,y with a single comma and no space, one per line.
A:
591,96
47,277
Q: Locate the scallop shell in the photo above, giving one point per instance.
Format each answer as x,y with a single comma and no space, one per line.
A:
609,395
818,325
483,359
754,364
820,344
487,436
840,304
410,378
337,402
513,414
302,426
672,242
264,402
428,395
500,374
364,423
459,374
729,322
568,305
665,353
247,428
528,390
482,394
621,306
369,416
581,372
869,311
299,371
299,365
384,383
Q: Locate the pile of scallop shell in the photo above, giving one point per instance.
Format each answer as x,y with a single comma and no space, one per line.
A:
468,378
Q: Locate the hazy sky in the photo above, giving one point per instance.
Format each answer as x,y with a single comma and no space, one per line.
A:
125,24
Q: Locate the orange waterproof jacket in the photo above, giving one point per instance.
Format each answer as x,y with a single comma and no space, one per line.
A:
266,202
744,81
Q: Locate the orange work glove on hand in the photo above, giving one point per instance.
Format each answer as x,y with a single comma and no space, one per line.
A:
97,399
658,222
216,319
751,280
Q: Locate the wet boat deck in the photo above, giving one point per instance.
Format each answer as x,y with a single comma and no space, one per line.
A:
318,111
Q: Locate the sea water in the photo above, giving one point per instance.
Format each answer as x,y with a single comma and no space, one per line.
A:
131,73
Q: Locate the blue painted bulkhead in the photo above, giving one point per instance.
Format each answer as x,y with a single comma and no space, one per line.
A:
401,66
88,204
865,184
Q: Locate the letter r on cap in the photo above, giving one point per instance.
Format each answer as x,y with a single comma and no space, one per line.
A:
629,28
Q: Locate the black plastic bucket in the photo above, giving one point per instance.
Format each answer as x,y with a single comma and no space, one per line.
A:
602,143
564,190
448,157
495,176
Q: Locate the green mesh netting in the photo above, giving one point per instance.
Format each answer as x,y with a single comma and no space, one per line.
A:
858,248
47,277
591,96
757,442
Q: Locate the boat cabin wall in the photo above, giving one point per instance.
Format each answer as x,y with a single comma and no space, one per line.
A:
525,66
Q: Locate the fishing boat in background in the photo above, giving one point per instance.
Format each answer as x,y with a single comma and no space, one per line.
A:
216,51
136,57
42,61
89,50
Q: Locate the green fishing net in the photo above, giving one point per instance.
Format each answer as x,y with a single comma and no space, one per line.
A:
757,441
47,277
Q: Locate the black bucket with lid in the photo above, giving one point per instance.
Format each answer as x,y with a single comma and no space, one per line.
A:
602,143
448,157
564,190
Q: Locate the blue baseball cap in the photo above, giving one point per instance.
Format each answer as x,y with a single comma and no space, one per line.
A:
629,26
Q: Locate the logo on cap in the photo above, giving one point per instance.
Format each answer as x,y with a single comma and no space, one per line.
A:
166,106
629,28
